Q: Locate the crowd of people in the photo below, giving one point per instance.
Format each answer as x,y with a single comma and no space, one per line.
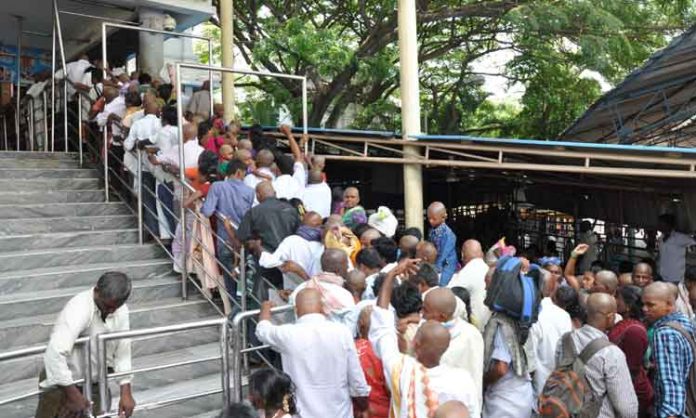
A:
390,324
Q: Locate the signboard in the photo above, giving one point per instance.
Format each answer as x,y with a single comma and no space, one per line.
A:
34,60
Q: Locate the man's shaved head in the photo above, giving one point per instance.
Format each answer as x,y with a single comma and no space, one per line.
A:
408,244
426,251
264,158
601,311
659,299
264,190
351,197
368,236
606,282
245,144
437,208
190,131
308,301
452,409
151,108
642,274
334,261
355,283
437,213
439,305
471,249
314,177
431,341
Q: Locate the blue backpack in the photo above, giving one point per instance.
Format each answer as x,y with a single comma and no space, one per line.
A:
513,293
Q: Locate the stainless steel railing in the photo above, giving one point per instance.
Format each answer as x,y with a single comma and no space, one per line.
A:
32,351
103,375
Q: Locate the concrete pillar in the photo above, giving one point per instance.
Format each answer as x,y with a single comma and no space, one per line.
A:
227,46
410,110
151,45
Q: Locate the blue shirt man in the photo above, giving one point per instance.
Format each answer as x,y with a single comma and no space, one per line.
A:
444,240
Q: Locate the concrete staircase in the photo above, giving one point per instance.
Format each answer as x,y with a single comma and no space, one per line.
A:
57,236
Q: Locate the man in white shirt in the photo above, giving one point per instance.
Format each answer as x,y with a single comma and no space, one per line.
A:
75,71
139,135
95,311
465,349
199,105
290,184
317,195
305,248
672,246
320,357
553,322
434,382
264,172
472,277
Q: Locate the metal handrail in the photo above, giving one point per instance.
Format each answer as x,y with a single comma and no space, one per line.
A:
238,345
32,351
101,340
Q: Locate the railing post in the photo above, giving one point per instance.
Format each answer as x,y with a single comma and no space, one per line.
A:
182,178
243,302
79,130
139,192
225,358
59,32
4,131
237,359
101,363
32,124
105,160
18,93
45,120
87,388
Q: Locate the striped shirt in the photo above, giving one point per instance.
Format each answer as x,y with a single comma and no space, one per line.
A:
673,358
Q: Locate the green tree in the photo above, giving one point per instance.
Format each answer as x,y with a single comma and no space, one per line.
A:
348,50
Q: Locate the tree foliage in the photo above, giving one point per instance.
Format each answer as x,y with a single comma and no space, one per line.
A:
348,50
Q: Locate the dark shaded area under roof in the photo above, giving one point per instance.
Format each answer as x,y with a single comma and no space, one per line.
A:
654,105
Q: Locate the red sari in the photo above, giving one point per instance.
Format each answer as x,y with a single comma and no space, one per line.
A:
631,337
374,374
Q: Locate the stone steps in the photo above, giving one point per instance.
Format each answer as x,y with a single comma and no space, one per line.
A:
21,185
68,239
50,197
19,260
63,210
84,275
57,236
20,226
36,173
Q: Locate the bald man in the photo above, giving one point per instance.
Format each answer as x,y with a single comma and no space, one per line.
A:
472,277
317,195
465,349
304,248
330,281
426,252
368,236
606,370
642,275
452,409
606,282
319,356
444,240
425,371
264,171
353,214
672,350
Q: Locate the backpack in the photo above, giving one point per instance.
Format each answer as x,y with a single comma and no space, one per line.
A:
566,393
691,381
513,293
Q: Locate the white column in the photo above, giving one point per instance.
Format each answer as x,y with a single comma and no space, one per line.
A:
410,110
151,45
227,46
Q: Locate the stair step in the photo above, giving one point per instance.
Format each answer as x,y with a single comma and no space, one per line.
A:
68,239
47,164
22,185
51,196
64,210
24,226
37,173
35,330
15,305
84,275
22,260
38,155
